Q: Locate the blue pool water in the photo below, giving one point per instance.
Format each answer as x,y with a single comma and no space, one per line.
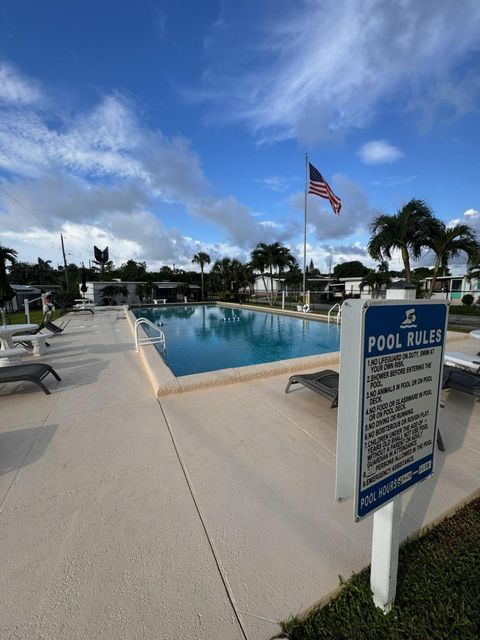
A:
207,338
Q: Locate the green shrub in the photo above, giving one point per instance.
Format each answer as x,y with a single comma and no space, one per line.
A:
462,310
468,299
66,298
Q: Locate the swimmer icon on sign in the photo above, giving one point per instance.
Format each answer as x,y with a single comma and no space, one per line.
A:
409,321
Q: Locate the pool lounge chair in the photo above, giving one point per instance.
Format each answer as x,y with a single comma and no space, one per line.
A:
31,372
46,324
326,384
323,382
77,308
455,378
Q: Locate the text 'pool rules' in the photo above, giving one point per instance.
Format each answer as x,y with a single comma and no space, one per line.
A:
390,376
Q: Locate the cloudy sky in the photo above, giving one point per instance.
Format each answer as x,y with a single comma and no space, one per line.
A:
161,128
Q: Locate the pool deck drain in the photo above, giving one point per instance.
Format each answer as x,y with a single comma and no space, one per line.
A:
101,537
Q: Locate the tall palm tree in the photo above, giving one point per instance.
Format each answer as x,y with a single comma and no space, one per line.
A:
447,243
202,259
271,257
6,291
43,270
8,254
407,230
223,271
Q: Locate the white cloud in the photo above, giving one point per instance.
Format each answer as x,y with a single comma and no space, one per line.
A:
379,152
270,224
102,170
231,215
15,88
326,67
470,217
354,218
275,183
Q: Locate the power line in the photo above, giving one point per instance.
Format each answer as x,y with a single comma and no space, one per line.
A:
33,213
36,246
36,215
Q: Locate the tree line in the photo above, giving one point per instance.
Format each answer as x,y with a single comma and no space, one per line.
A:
413,231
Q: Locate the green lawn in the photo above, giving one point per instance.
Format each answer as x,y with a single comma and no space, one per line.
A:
438,592
36,316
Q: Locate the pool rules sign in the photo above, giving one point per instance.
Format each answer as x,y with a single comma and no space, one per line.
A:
402,361
391,363
389,395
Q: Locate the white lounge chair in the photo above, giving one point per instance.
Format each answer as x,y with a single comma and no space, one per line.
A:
463,360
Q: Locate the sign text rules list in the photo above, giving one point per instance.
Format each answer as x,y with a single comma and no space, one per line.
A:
399,412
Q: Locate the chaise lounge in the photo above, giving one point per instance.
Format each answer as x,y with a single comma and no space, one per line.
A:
32,372
460,380
326,384
323,382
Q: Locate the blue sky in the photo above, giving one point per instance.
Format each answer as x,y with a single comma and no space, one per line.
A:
161,128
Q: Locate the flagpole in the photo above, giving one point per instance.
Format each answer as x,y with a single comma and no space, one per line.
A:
305,232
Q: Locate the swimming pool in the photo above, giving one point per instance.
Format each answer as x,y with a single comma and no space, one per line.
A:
209,337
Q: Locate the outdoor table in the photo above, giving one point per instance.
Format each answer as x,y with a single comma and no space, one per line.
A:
9,330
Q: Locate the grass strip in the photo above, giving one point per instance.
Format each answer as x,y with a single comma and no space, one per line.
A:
36,315
438,592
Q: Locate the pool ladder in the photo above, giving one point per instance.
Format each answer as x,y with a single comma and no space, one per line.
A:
339,312
156,339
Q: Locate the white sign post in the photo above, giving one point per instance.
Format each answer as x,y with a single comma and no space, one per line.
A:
385,544
389,393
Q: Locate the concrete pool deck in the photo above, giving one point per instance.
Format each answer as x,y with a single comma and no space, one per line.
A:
187,516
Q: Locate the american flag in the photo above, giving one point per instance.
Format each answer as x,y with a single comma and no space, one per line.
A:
319,187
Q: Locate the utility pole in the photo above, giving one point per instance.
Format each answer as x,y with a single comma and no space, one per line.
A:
64,261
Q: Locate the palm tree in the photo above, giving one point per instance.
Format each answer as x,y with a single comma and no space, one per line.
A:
6,291
447,243
375,280
408,230
223,272
8,254
271,257
202,259
43,270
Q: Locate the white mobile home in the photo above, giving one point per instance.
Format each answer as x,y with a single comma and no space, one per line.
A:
453,288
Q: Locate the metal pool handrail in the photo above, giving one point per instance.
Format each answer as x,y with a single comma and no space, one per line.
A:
339,313
159,339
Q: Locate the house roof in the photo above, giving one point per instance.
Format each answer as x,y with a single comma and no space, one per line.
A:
401,284
24,288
